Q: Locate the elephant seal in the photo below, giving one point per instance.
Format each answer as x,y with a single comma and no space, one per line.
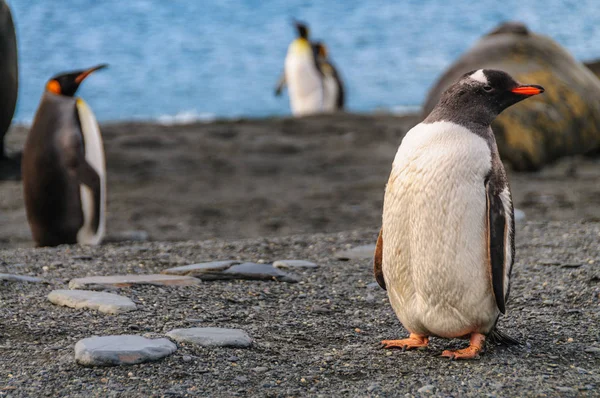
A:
564,121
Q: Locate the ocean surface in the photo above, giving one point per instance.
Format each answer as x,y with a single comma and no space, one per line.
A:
178,61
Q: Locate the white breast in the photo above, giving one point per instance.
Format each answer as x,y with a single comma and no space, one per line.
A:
434,248
303,79
94,155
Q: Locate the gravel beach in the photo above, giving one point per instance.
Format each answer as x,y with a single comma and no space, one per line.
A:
284,189
318,337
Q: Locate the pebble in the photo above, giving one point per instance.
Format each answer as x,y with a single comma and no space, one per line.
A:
373,285
108,303
128,280
20,278
212,337
356,253
592,350
426,389
373,387
260,369
291,264
565,389
121,350
201,268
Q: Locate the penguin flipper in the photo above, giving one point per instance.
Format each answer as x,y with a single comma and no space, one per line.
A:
280,85
341,97
498,235
377,261
90,178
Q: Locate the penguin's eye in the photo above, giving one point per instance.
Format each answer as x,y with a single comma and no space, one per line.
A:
487,88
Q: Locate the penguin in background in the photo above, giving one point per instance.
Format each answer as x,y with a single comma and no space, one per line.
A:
63,167
334,95
302,75
10,168
446,247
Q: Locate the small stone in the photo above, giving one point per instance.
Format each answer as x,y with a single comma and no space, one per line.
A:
212,337
292,264
549,262
592,350
356,253
200,268
108,303
86,258
187,358
373,387
121,350
571,265
20,278
241,379
373,285
565,389
128,280
260,369
426,389
233,358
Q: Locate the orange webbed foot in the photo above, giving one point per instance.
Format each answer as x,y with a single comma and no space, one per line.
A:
414,341
472,351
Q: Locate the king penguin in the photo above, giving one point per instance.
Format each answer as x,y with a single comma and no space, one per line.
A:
9,86
446,247
302,75
333,87
63,167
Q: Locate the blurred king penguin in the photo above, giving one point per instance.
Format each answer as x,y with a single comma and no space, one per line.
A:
302,75
333,96
9,84
64,174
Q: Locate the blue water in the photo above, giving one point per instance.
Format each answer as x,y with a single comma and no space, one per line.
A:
221,58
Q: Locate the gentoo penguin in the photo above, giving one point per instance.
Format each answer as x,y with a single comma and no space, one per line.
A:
446,246
333,97
9,83
64,175
302,75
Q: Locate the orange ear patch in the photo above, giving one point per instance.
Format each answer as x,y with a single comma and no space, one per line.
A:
53,86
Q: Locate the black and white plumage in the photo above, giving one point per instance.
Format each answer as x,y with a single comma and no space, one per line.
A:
63,167
446,248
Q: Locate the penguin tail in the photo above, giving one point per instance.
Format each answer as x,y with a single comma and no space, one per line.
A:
499,338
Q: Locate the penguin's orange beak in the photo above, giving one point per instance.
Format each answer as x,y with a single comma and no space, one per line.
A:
88,72
528,90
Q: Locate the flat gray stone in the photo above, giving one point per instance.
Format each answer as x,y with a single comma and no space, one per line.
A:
200,268
128,280
212,337
108,303
20,278
291,264
121,350
356,253
254,271
249,271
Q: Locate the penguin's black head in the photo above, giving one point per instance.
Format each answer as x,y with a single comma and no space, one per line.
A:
302,29
67,83
320,49
481,95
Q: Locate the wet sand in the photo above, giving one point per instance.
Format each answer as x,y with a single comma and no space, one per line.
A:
273,177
